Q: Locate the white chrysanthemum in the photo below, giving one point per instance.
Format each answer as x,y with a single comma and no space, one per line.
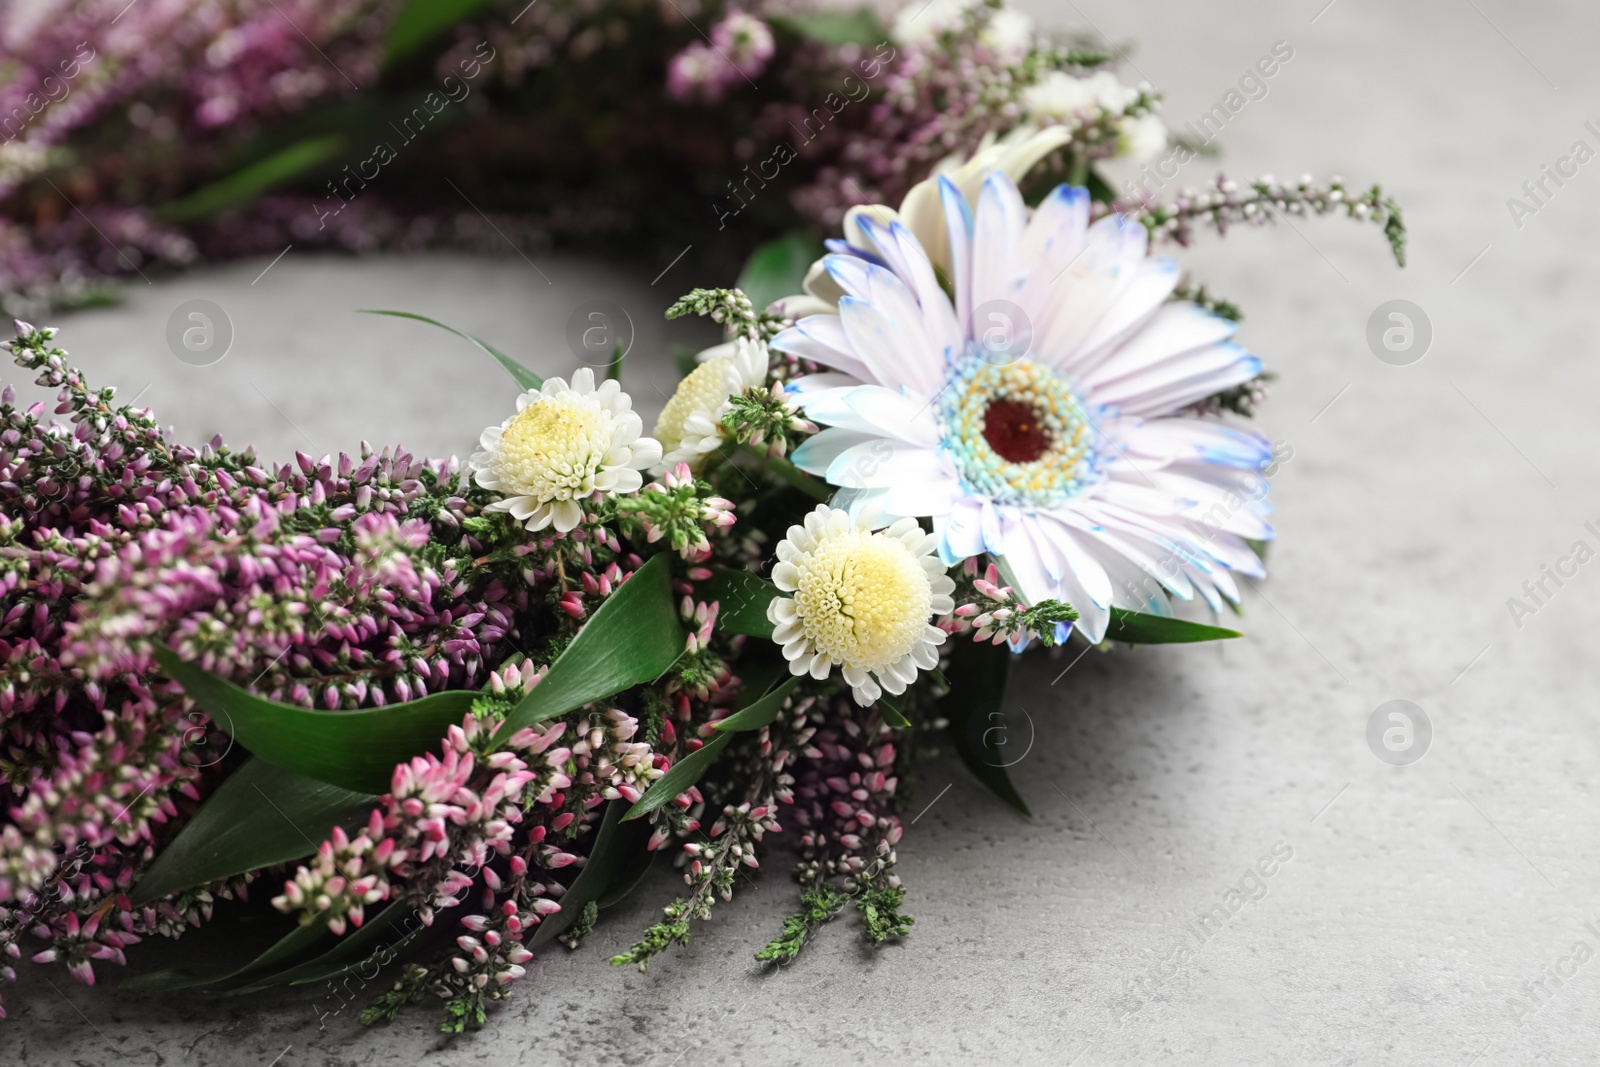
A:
1043,411
564,445
860,600
690,425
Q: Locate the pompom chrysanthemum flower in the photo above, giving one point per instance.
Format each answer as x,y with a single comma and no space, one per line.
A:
1068,447
859,600
564,444
690,425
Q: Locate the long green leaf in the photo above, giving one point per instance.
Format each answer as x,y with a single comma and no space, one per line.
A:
252,181
391,934
686,772
614,844
691,768
777,269
633,637
836,27
631,871
809,484
519,374
977,690
761,712
420,21
742,600
354,749
285,952
1136,627
260,815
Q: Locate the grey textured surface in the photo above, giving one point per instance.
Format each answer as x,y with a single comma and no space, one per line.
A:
1419,900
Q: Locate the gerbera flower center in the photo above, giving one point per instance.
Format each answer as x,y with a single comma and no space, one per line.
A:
1018,433
1015,431
551,449
861,599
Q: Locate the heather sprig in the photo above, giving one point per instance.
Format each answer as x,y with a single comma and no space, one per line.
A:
732,310
768,419
1226,203
997,615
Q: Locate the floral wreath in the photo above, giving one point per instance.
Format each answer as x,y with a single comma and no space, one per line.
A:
440,713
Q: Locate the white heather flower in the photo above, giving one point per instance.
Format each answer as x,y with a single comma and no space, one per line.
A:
1059,95
564,445
690,425
860,600
1071,452
920,21
1009,33
1143,138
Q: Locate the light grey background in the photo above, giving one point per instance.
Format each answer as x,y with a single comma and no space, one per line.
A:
1419,899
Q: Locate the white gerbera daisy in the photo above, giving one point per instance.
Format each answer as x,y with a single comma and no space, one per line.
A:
860,601
690,425
564,445
1069,455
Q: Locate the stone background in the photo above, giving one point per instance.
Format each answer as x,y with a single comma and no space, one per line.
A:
1419,900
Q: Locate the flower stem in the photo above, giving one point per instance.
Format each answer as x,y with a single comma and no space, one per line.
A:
813,487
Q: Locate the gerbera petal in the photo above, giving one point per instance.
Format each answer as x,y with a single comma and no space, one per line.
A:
958,228
906,258
875,340
818,452
821,339
997,270
1175,328
1175,384
960,531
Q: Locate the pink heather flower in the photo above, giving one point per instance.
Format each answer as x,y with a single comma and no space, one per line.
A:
746,42
700,74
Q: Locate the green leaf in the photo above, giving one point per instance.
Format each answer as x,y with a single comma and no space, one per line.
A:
250,182
759,713
519,374
742,600
633,637
836,27
778,268
260,815
691,768
978,675
809,484
889,709
686,772
630,874
615,844
284,952
420,21
354,749
1136,627
380,940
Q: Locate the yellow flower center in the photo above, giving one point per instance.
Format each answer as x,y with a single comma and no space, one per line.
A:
863,599
704,389
551,449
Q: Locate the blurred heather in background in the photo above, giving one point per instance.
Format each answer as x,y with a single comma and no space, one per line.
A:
137,138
